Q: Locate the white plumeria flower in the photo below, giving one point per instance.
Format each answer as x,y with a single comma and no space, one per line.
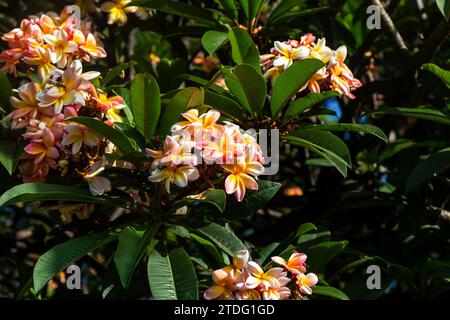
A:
287,54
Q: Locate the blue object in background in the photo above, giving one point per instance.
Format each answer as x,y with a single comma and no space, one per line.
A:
333,105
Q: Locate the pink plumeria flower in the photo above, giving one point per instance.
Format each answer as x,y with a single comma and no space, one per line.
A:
306,282
295,264
77,135
277,290
224,284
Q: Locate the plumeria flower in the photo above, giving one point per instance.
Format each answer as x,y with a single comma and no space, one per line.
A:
277,290
44,62
227,279
117,12
306,282
97,185
176,151
41,151
178,175
295,264
287,54
27,104
112,105
224,284
77,135
57,97
88,44
240,177
342,79
205,123
260,278
61,46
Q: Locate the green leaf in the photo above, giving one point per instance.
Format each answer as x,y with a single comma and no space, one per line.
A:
225,105
10,153
322,253
325,144
295,15
5,91
444,75
215,197
176,8
133,243
29,192
253,85
60,256
330,292
243,49
281,8
171,274
444,7
305,103
427,168
116,71
213,40
231,7
251,8
420,113
291,80
184,100
253,200
210,248
366,128
145,103
223,238
119,139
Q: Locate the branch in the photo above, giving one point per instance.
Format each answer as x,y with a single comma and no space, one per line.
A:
392,30
434,42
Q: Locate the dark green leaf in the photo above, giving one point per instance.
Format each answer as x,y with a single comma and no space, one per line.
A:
253,85
120,140
29,192
184,100
330,292
251,8
60,256
212,40
225,105
427,168
145,103
420,113
302,104
223,238
253,200
115,72
171,274
243,49
352,127
320,254
291,80
133,243
325,144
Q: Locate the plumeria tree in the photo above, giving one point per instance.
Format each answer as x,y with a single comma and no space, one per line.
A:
144,160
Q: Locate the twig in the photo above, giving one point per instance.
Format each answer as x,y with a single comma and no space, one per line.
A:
434,42
392,30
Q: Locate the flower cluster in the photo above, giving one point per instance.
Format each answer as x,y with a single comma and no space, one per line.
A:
42,107
49,42
246,280
201,143
335,76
